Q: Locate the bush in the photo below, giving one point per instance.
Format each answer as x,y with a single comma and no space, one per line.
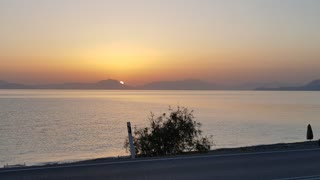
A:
170,135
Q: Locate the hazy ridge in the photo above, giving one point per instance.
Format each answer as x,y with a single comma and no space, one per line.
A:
311,86
188,84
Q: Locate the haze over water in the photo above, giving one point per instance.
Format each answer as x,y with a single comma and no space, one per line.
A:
40,126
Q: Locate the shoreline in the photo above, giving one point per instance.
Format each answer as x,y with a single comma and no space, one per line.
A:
221,151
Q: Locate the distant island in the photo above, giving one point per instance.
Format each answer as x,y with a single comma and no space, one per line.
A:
312,86
111,84
9,85
188,84
191,84
104,84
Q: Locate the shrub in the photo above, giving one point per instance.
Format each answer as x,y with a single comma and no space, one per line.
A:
170,135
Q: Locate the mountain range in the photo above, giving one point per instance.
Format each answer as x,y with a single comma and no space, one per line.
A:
115,84
190,84
104,84
8,85
311,86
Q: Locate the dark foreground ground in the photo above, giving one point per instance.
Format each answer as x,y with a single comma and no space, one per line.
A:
293,161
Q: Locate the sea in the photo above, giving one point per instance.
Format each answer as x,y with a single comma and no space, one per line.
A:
55,126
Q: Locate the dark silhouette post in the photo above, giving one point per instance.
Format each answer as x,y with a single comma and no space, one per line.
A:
132,150
309,133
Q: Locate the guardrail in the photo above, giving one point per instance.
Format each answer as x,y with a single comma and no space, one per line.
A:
14,165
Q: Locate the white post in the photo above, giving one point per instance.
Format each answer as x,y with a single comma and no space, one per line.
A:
132,150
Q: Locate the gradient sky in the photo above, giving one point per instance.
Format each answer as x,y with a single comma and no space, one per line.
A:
138,41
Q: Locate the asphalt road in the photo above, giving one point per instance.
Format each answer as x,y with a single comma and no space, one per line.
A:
285,165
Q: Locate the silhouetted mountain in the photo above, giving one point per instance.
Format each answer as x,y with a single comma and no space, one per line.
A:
179,85
190,84
254,85
312,86
8,85
104,84
111,84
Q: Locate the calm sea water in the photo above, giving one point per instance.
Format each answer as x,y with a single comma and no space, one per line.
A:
41,126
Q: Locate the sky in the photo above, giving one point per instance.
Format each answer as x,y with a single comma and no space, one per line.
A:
140,41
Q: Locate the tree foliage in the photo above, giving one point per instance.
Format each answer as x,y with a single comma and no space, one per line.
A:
170,134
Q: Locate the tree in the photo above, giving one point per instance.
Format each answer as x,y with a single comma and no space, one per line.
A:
170,135
309,133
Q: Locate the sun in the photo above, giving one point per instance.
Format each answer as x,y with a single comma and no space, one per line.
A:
121,82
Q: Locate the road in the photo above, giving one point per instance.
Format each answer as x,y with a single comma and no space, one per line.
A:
281,165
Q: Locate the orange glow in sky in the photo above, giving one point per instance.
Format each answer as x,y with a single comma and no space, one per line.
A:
143,41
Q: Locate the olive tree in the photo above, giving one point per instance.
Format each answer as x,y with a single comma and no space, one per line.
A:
170,134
